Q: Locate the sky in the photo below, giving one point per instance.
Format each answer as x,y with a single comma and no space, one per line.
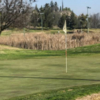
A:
78,6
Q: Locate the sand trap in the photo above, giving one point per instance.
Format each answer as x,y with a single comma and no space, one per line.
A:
95,96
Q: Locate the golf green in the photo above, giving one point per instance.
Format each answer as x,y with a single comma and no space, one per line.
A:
26,76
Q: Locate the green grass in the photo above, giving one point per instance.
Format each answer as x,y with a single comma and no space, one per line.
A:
18,31
92,30
52,31
26,54
26,72
62,94
85,51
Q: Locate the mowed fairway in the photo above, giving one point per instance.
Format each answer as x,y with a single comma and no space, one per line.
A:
26,76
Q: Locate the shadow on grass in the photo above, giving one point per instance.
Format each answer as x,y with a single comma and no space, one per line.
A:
77,79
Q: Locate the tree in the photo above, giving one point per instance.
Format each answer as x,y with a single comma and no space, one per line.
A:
34,18
82,21
95,20
73,21
56,7
68,21
12,10
56,17
47,15
61,21
52,5
51,15
36,8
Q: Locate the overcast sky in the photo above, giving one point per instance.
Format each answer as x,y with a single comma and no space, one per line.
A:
78,6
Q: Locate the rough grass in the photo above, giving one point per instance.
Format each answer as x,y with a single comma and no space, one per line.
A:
17,31
63,94
11,31
10,53
45,71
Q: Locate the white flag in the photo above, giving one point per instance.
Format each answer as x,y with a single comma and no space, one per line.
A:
64,27
65,30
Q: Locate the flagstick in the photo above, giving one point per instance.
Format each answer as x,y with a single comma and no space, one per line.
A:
66,48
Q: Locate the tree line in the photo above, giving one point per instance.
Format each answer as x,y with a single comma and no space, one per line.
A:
20,14
55,16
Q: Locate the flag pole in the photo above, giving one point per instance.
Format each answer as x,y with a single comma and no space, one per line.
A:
65,30
66,49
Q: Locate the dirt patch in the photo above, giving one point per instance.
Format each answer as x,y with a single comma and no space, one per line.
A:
2,47
95,96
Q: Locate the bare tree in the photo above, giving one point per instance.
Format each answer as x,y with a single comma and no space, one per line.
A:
95,20
11,11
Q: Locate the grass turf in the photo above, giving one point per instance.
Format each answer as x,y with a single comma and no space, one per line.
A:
62,94
52,31
22,72
17,31
8,54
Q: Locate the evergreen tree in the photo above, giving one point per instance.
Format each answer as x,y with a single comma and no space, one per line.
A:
53,16
34,19
73,21
61,21
68,21
82,21
36,8
56,7
52,5
56,16
47,16
41,9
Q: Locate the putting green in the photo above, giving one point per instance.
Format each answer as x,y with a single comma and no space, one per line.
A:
26,76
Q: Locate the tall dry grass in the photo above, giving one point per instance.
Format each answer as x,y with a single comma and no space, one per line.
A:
42,41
